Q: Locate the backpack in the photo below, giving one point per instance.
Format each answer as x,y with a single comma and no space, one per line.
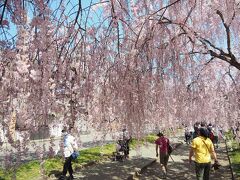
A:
211,136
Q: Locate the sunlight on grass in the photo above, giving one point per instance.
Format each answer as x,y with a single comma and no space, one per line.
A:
235,160
5,175
234,152
29,170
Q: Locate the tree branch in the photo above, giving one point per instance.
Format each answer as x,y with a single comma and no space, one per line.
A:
227,32
4,7
78,11
165,7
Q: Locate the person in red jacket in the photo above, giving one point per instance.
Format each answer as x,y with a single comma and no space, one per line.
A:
162,144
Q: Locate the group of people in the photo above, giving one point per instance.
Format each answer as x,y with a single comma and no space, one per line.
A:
202,148
201,140
213,133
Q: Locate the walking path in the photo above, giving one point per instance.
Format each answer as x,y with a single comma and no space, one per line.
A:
180,169
114,170
143,160
118,170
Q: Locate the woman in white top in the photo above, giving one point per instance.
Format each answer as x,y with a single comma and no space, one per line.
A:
70,146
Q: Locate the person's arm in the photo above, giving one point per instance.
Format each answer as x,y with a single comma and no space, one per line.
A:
213,153
191,152
74,144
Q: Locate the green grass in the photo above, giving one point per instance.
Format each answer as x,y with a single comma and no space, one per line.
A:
149,138
234,152
28,170
5,175
235,156
235,160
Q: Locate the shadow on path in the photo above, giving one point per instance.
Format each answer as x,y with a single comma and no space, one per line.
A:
112,169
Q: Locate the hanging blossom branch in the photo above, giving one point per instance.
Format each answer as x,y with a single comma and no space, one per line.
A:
202,69
231,77
165,7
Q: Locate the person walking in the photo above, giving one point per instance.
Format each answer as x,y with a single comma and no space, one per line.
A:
202,148
70,146
196,127
162,144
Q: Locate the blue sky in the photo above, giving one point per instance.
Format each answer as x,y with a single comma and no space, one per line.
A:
70,5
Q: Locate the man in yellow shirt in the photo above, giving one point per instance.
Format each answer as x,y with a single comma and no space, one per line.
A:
202,148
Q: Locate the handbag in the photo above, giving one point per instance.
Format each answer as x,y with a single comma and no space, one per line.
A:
75,154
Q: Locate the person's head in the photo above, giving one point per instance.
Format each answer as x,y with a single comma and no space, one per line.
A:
203,131
160,134
203,124
64,130
196,126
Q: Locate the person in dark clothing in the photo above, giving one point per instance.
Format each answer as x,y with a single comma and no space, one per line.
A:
196,130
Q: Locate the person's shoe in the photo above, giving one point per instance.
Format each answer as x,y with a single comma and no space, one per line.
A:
62,177
70,177
164,176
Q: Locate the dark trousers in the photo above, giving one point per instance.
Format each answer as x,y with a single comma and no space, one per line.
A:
187,138
202,170
126,150
68,166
